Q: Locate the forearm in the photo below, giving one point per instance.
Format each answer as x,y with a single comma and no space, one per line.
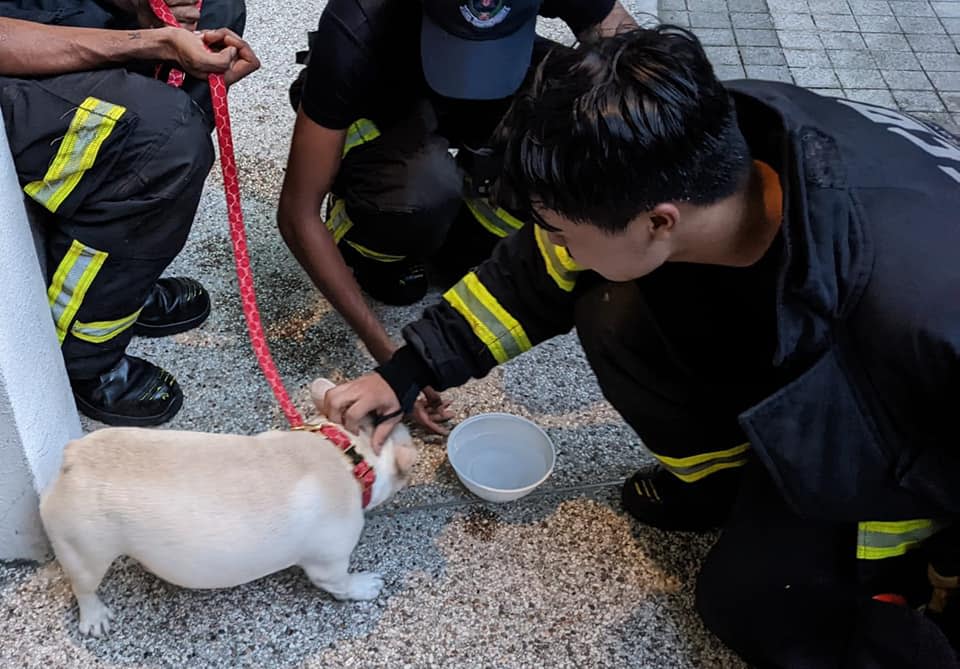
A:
314,248
35,49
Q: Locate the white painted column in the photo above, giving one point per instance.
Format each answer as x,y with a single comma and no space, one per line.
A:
37,412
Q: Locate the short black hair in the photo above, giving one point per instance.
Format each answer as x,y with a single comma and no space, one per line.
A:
608,130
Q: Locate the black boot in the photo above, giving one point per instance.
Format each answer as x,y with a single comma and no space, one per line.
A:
135,393
174,305
657,498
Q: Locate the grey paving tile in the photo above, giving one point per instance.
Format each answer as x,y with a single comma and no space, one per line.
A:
851,59
793,21
921,25
762,55
940,62
806,58
833,40
707,5
793,39
912,9
709,19
770,72
896,60
836,23
673,4
725,72
715,36
675,17
945,81
918,101
947,9
870,7
829,92
751,20
785,6
723,55
931,43
815,77
942,119
886,42
878,96
907,80
860,78
759,6
952,25
952,101
751,37
878,24
828,6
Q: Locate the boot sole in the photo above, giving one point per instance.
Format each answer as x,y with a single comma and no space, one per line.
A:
167,329
119,420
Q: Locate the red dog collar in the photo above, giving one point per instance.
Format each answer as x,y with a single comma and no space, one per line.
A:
362,471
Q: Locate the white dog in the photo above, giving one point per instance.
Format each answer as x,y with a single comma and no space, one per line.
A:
217,510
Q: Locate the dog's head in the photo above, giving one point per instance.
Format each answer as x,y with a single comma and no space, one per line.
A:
393,466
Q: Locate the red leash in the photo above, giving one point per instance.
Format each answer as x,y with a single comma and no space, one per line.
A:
231,186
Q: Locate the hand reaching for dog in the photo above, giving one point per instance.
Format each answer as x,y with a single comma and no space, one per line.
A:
351,402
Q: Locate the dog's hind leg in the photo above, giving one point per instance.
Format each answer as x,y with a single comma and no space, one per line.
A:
332,575
86,567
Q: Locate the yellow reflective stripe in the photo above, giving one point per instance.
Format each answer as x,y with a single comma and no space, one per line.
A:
500,332
561,268
496,220
374,255
70,283
360,132
92,123
696,467
879,540
339,223
98,332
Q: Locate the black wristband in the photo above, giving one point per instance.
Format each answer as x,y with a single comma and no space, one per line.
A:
406,374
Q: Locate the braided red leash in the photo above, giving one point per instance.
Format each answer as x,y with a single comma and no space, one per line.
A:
231,186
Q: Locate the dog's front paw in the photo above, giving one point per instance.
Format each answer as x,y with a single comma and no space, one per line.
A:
95,619
364,586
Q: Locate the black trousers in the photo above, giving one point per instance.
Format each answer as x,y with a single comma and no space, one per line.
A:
778,589
114,162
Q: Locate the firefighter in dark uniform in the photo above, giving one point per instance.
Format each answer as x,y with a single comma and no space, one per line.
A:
389,87
766,283
113,161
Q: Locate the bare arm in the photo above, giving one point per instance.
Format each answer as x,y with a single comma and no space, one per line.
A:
311,168
617,20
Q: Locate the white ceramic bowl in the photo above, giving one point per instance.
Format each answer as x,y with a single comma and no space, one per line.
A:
500,457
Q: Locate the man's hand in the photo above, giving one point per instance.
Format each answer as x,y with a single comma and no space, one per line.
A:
350,402
229,55
430,410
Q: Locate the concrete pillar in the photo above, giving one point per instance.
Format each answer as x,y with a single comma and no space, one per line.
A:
37,412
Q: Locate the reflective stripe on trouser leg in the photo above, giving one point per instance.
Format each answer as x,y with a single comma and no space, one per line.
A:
70,282
696,467
878,540
98,332
499,331
339,224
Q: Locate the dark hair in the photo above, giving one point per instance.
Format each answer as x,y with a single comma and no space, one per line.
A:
606,131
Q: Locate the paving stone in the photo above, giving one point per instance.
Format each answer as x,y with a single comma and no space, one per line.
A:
673,4
710,19
762,55
918,101
751,37
877,96
912,9
726,72
931,43
952,25
707,5
814,77
947,9
793,21
723,55
940,62
786,6
829,92
715,36
921,25
878,24
748,6
793,39
842,40
770,72
752,20
942,119
860,78
851,59
951,100
945,81
828,7
886,42
675,17
907,80
870,7
806,58
836,23
896,60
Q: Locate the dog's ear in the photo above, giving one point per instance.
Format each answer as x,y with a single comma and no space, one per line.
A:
405,457
318,389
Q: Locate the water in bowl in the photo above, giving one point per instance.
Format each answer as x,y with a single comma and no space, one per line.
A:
496,464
